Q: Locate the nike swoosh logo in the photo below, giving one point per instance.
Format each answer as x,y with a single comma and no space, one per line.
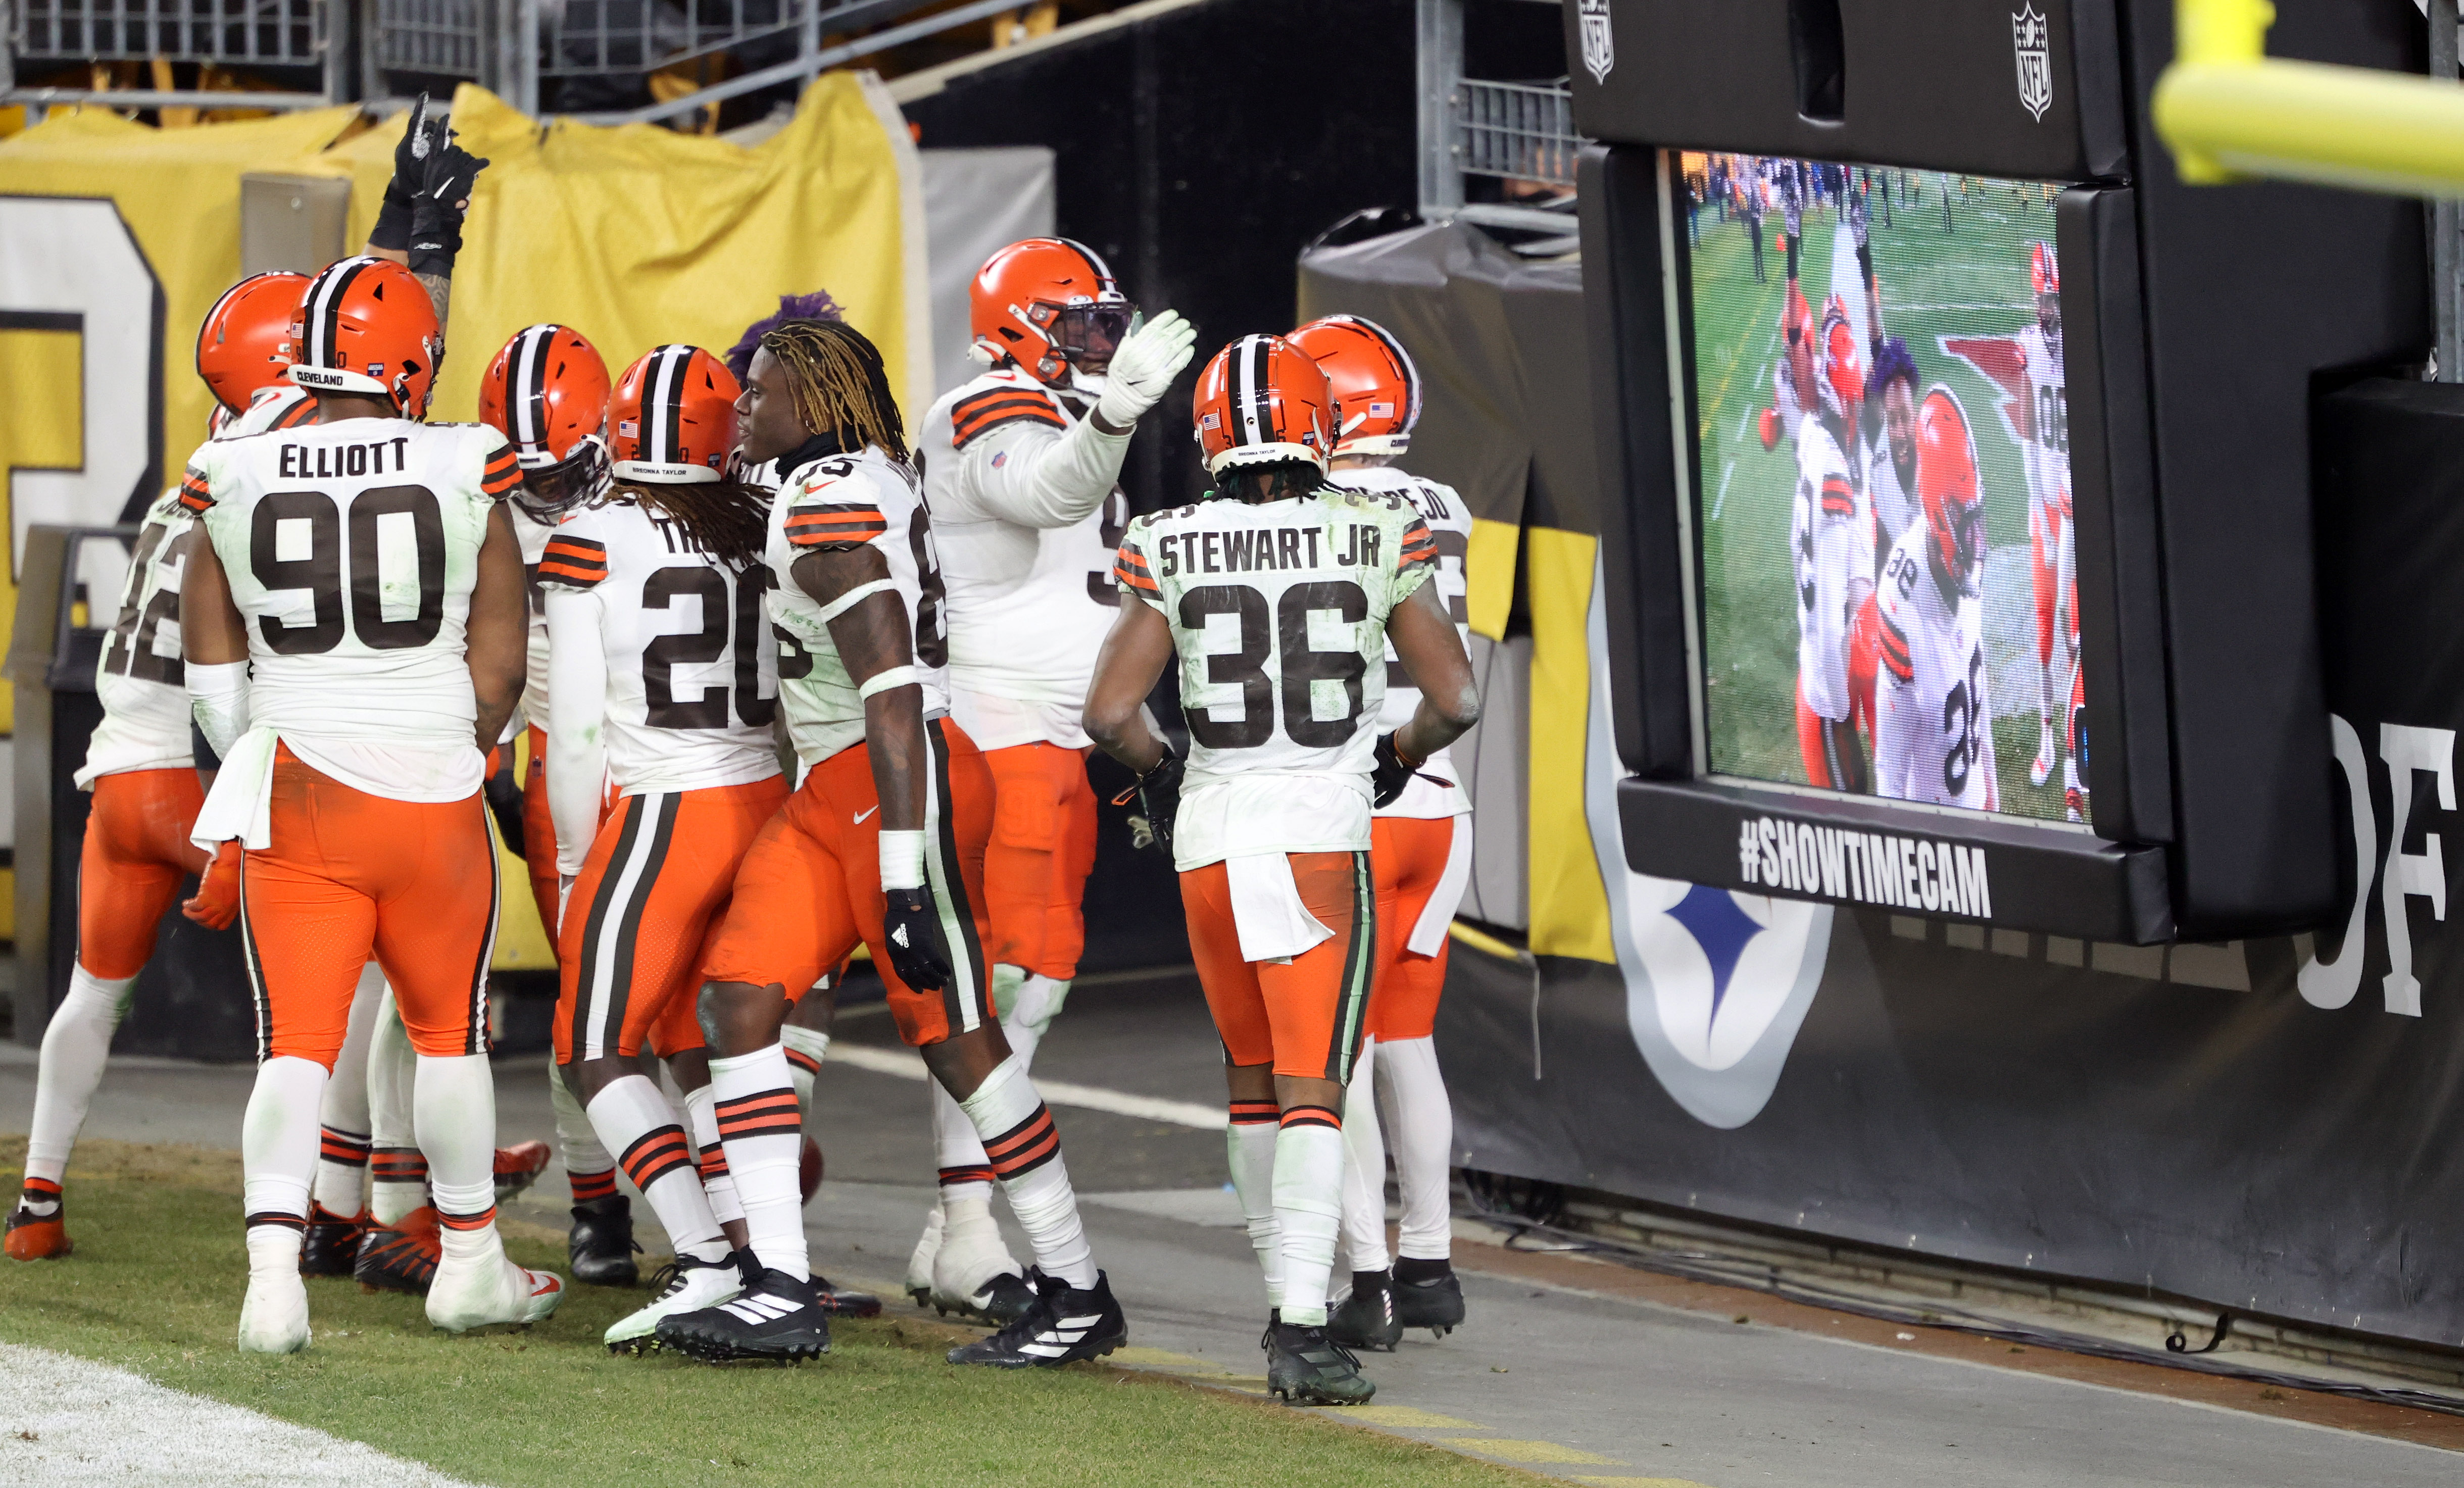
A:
860,815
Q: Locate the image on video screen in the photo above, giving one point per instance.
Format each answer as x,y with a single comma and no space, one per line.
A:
1882,497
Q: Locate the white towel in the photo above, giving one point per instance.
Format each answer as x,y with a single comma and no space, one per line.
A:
1438,912
1266,908
241,804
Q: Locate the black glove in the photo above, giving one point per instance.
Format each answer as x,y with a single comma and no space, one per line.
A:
1159,798
1390,774
912,932
505,804
392,231
444,184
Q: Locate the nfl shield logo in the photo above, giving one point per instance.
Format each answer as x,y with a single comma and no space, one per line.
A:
2031,43
1600,43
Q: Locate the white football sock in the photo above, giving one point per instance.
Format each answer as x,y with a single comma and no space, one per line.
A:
965,1172
76,1043
1364,1170
588,1166
717,1183
1250,1146
1309,1206
1023,1148
399,1174
806,1047
343,1142
762,1134
634,1119
1420,1133
277,1141
455,1106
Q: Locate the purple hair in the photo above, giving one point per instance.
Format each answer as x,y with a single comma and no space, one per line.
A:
816,306
1891,361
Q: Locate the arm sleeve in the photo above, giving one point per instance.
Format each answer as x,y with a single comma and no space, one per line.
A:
502,471
577,751
1835,559
1895,719
1037,474
1130,570
1416,559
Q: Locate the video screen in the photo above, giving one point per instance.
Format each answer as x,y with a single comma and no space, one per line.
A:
1882,497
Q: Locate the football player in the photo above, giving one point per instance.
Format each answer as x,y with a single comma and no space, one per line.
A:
664,680
1421,855
546,392
2045,442
1278,598
1831,535
1933,720
1020,470
354,625
883,844
1890,497
143,773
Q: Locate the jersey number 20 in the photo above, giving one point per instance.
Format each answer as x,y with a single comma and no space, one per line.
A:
660,658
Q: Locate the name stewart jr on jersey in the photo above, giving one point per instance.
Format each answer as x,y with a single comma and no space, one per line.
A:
1278,613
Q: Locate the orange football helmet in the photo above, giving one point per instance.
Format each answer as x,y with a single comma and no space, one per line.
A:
2044,269
1264,400
364,325
245,344
1376,389
1842,384
547,392
1948,490
673,417
1051,305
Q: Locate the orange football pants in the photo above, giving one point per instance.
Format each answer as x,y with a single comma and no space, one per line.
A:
538,839
1042,847
349,875
809,889
1408,857
1306,1016
647,903
137,853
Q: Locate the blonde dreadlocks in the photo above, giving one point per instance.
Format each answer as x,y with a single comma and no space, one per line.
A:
839,384
723,518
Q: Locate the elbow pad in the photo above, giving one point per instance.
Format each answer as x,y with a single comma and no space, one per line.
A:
218,698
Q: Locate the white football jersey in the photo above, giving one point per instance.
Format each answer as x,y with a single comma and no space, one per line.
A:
830,504
692,678
2047,447
533,534
1449,522
1933,723
352,550
1026,512
1278,611
1894,501
1831,537
279,406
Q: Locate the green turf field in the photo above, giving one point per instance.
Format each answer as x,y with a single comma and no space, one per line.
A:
1970,280
155,1284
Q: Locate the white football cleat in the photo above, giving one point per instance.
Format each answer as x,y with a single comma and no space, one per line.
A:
274,1319
2042,768
685,1285
971,1259
486,1288
919,1263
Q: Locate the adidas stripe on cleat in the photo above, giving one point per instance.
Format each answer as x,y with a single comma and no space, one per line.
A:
778,1319
400,1257
331,1243
1305,1368
1063,1325
684,1284
39,1228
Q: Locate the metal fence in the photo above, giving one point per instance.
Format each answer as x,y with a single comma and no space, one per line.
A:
252,32
1519,130
447,36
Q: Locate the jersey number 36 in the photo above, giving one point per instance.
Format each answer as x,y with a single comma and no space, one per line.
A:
1246,668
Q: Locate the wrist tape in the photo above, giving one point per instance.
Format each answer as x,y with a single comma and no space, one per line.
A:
902,860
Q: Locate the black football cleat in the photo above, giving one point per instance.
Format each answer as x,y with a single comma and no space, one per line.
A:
1434,1302
330,1245
1305,1368
400,1257
844,1304
778,1318
1063,1325
601,1243
1366,1319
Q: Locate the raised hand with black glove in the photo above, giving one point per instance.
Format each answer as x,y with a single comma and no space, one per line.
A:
446,178
392,231
910,926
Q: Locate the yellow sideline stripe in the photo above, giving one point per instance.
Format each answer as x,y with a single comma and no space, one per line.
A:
1484,942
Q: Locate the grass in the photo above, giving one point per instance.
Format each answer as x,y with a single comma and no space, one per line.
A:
1971,281
155,1288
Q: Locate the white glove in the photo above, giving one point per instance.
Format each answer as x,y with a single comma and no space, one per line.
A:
1143,367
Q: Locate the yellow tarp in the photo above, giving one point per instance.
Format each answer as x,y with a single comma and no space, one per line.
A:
636,235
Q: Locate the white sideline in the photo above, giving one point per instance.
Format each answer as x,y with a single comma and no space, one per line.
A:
68,1420
907,1064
